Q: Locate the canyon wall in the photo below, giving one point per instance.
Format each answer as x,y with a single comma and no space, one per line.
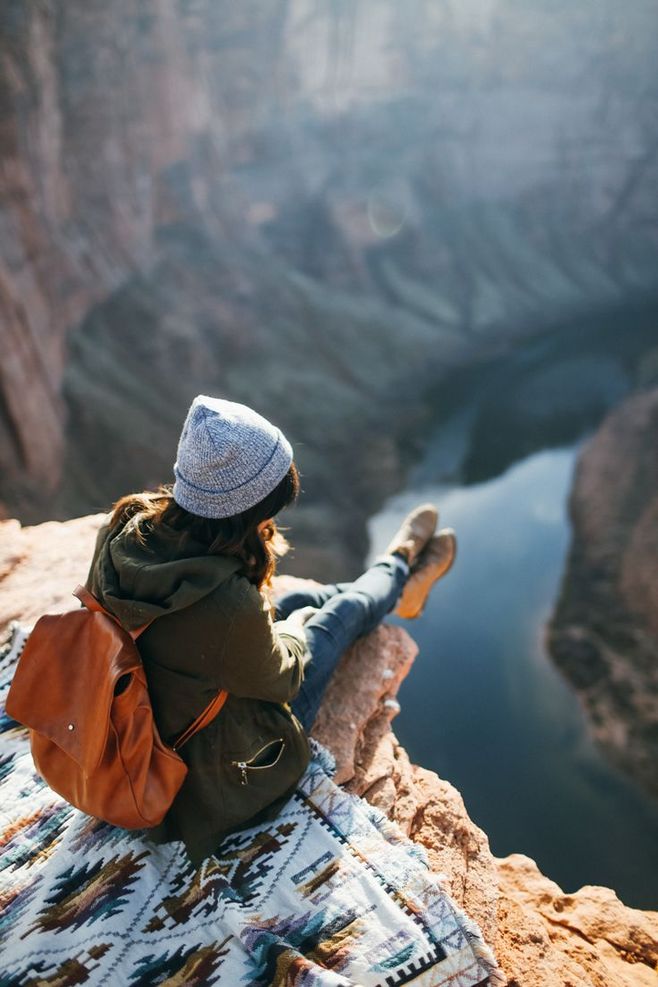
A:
603,633
320,210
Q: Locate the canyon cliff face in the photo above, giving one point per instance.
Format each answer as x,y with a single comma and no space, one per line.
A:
604,630
318,210
542,936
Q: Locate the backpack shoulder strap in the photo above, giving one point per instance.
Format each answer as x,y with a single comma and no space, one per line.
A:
88,599
92,603
209,714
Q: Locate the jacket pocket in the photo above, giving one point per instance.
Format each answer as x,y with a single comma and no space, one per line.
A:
264,757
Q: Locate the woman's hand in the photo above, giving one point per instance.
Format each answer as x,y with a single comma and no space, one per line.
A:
303,614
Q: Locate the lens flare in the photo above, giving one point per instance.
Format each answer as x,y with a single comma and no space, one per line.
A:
388,207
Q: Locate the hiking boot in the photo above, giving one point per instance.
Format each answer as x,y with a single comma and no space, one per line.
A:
433,562
414,532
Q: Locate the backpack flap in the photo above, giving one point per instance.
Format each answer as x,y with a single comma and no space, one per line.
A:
63,686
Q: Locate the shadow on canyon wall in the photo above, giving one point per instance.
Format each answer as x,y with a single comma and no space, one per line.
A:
319,210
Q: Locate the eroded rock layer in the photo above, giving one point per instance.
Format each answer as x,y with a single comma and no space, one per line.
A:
604,631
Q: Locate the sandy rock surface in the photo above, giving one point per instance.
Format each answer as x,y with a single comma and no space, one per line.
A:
41,565
542,937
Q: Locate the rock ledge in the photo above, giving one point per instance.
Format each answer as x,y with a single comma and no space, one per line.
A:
542,937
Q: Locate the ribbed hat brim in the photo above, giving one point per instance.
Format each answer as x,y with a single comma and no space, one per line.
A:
225,503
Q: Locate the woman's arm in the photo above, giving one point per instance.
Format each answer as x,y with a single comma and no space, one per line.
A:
261,658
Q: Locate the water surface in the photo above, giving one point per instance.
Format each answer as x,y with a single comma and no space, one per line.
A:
484,706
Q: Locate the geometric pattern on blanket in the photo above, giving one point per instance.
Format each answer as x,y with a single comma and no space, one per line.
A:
331,893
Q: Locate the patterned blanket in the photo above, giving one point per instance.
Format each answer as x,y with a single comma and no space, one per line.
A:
330,893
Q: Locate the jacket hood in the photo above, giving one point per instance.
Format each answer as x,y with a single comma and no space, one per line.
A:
139,582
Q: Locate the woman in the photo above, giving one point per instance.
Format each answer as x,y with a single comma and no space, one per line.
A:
199,556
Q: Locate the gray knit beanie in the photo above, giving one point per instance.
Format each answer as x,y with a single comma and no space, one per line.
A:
229,458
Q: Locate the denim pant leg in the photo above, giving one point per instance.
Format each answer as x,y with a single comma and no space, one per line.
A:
312,597
343,618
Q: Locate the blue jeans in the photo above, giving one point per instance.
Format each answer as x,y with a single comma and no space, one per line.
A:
347,611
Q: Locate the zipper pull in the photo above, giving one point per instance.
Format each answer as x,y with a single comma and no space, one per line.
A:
243,772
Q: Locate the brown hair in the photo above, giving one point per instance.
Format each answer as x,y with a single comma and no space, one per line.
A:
237,535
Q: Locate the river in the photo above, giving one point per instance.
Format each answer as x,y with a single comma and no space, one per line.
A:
484,706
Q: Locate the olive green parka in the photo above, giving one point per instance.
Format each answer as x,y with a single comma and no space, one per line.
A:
213,631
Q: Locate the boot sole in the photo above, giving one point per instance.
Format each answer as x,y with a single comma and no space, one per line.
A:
409,613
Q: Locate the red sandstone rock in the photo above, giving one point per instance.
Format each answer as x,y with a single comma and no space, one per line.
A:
570,940
41,565
541,936
169,195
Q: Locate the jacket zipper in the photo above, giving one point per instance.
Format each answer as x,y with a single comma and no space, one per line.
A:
243,765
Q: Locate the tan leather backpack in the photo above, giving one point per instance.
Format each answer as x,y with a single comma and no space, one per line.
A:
81,689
